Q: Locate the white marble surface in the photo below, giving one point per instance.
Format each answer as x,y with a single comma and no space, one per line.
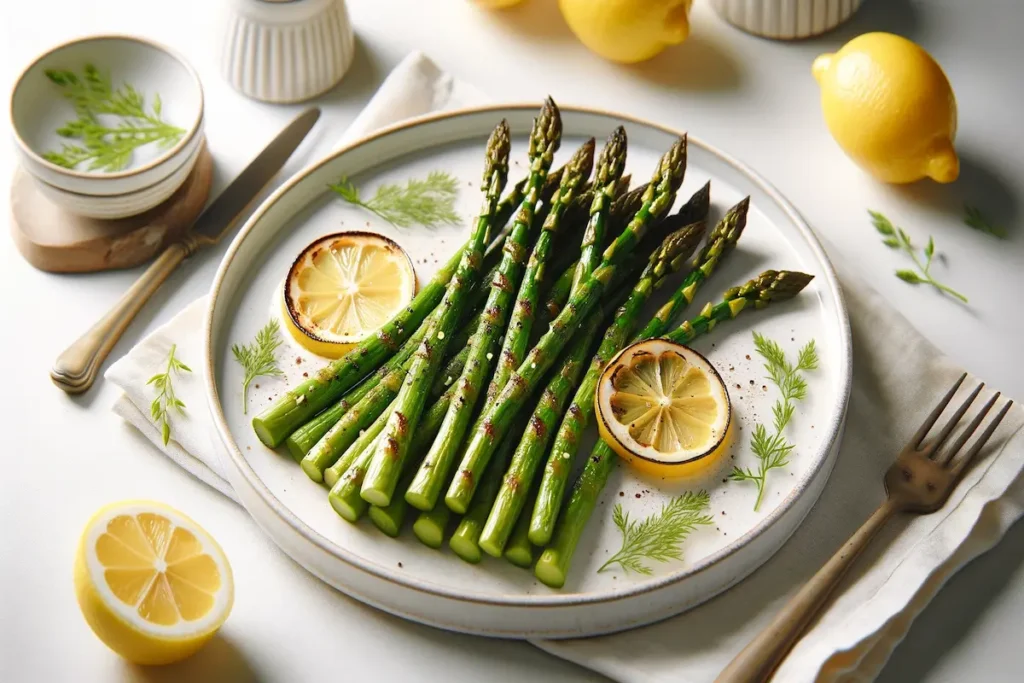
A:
65,457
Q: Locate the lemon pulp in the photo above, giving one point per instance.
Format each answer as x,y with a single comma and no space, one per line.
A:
662,407
344,287
152,584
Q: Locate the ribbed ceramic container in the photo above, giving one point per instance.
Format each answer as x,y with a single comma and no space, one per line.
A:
786,19
287,50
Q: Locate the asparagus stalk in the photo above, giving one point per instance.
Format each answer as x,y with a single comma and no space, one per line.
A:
563,454
436,465
770,286
496,419
514,485
609,170
465,540
511,498
344,494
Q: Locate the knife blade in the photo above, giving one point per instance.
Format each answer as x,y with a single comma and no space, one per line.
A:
229,206
76,368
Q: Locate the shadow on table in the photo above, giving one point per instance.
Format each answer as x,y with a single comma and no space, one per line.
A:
978,185
218,662
702,62
892,16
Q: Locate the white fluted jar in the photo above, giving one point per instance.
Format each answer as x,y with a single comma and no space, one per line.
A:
786,19
287,50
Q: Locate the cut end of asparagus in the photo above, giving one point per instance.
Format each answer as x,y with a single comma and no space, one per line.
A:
456,504
418,500
312,470
488,545
331,476
295,449
520,556
548,570
265,434
349,510
465,548
429,528
387,524
375,496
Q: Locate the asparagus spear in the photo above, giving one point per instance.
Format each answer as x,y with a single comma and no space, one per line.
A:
511,498
658,198
464,541
516,481
434,470
389,453
519,550
770,286
609,170
562,455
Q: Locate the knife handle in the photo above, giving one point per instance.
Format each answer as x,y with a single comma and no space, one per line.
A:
76,368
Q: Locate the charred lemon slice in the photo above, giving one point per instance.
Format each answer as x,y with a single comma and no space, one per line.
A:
663,408
342,288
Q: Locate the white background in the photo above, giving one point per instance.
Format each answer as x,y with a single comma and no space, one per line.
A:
65,457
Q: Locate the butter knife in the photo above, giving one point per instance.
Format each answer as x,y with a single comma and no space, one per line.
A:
76,368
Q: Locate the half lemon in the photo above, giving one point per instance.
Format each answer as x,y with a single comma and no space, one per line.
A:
663,408
344,287
151,583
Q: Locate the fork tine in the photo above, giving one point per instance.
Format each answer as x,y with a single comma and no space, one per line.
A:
951,424
934,415
962,462
948,453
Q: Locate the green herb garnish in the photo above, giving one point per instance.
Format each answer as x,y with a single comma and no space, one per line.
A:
107,148
165,398
975,219
429,202
660,536
897,238
259,359
772,450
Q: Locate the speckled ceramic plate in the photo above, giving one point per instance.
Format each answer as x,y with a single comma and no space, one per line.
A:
495,598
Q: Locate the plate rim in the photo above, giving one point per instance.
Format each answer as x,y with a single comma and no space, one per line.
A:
553,600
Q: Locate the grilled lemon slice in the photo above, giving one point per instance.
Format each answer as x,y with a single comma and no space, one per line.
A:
344,287
663,408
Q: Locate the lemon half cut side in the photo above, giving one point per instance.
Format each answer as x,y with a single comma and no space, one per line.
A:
344,287
151,583
663,408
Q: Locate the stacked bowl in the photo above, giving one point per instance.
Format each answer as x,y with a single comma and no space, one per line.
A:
108,126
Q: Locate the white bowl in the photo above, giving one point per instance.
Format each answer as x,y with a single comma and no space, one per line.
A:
786,19
109,207
39,108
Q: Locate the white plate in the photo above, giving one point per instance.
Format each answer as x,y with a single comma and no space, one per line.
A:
494,598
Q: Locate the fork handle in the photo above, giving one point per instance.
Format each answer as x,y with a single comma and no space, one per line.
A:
759,659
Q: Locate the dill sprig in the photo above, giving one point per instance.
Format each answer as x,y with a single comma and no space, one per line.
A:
259,359
974,218
772,449
897,238
165,399
107,148
429,202
660,536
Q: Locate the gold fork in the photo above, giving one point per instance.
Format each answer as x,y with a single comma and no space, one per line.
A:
919,482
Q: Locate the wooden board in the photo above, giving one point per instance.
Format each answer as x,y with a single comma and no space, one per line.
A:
53,239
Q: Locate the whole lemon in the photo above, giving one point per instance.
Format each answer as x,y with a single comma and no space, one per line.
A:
890,107
628,31
497,4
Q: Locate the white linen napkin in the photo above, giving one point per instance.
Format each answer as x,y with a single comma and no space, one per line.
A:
897,372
